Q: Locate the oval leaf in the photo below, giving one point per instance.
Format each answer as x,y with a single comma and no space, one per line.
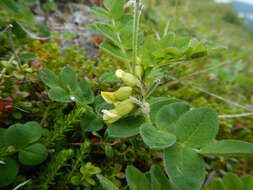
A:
232,181
8,171
126,127
228,148
58,94
106,184
197,127
156,138
33,155
34,130
136,179
16,135
185,167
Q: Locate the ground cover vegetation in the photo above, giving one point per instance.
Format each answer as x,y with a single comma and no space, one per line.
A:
164,105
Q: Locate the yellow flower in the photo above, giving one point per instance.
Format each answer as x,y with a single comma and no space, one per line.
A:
122,93
121,109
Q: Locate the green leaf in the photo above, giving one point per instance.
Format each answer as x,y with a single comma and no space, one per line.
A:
49,78
91,123
113,50
157,103
136,180
216,184
158,180
197,127
216,50
126,127
68,78
83,93
232,181
8,171
106,184
50,5
116,7
2,133
248,182
27,57
16,135
169,53
109,77
33,155
20,135
106,31
228,148
34,130
10,6
185,167
58,94
103,106
156,138
168,115
100,12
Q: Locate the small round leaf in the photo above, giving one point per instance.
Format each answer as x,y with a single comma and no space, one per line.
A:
33,155
8,171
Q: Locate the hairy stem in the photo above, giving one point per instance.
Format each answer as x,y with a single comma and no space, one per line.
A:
137,14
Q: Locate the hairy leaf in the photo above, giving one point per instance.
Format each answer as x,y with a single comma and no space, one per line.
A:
185,167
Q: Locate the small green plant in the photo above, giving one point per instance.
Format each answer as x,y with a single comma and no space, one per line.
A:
184,134
23,140
86,176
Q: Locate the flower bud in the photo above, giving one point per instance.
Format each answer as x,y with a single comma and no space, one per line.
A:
128,78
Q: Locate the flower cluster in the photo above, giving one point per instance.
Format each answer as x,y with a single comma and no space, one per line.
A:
121,98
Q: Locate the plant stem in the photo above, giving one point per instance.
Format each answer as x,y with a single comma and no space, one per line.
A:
14,51
137,14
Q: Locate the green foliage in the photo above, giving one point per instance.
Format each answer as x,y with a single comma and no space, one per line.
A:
66,87
23,139
10,170
85,177
52,170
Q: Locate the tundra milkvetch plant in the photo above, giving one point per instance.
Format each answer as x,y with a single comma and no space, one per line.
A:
184,134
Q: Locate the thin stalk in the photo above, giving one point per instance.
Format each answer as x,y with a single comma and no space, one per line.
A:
137,14
14,51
